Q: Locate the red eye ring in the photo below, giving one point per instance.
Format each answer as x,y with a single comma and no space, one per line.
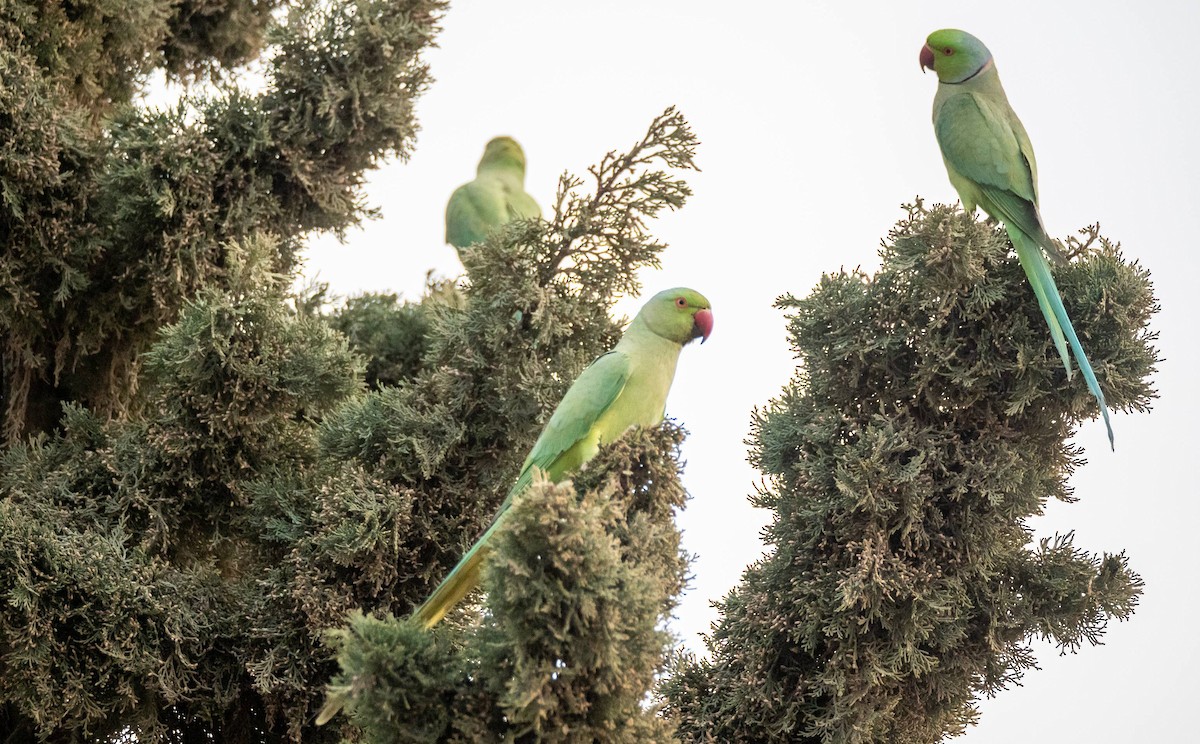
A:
680,302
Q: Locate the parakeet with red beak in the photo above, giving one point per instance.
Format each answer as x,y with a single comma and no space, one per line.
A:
990,162
621,389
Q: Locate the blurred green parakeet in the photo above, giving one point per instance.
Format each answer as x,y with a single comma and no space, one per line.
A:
621,389
990,162
496,196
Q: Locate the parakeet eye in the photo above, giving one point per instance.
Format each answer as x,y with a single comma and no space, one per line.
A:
948,51
680,302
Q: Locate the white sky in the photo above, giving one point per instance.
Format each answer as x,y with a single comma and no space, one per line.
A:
814,124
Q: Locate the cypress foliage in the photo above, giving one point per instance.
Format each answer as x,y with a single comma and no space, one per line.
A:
155,384
140,579
172,574
388,333
928,421
114,215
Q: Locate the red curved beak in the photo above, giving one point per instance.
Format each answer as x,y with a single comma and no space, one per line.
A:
926,58
702,323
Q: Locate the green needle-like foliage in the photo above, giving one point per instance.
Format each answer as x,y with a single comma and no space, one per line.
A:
928,422
153,378
136,569
390,334
172,574
113,215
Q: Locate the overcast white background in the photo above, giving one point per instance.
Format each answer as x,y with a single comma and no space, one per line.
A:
814,124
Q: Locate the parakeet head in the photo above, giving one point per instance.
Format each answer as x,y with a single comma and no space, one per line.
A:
503,152
681,315
954,55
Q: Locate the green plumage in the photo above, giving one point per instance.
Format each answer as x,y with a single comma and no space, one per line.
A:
990,162
496,196
621,389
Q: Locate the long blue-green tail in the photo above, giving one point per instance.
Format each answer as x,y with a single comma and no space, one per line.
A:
1038,270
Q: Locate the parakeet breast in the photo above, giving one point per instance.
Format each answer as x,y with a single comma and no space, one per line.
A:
644,399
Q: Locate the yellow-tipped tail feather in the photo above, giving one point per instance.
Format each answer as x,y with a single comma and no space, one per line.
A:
454,587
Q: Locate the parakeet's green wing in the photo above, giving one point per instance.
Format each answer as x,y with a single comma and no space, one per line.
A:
555,452
473,210
521,206
982,145
596,388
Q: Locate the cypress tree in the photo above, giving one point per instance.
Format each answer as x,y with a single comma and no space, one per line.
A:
928,422
114,214
156,377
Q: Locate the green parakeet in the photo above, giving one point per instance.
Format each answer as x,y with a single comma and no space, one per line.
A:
990,162
621,389
496,196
